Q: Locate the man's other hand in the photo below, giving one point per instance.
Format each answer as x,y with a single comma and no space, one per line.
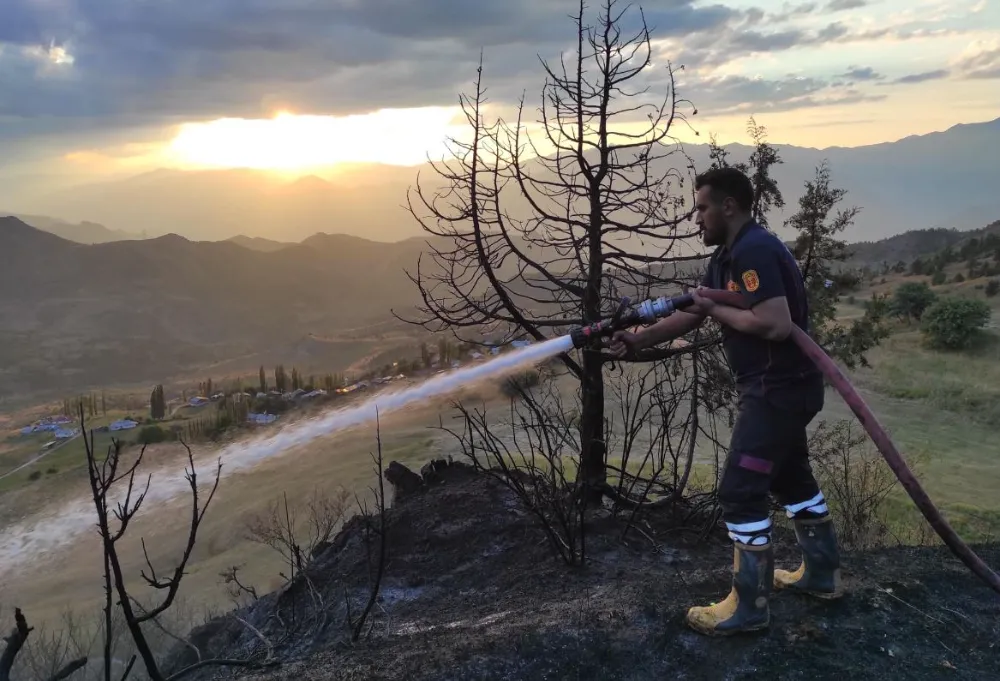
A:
623,343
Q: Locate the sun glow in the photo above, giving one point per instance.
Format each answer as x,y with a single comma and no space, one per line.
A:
297,142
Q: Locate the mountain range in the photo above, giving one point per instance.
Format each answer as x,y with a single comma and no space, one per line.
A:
75,315
81,232
941,179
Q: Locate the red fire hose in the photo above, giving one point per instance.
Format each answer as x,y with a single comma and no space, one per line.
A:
882,442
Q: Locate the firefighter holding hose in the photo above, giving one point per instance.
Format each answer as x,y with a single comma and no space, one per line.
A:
780,391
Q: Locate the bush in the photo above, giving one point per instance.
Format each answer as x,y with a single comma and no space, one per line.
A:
953,323
911,299
959,278
150,435
35,475
938,278
993,287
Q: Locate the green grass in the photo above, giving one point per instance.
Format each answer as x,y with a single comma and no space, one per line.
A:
942,409
959,384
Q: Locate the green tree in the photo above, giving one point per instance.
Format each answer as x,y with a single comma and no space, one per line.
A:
911,299
425,355
767,195
280,379
262,378
296,379
992,288
952,323
817,250
157,403
937,278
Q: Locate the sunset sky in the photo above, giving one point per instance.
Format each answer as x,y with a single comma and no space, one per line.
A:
118,86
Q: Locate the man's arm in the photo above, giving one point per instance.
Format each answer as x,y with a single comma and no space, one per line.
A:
769,319
763,288
674,326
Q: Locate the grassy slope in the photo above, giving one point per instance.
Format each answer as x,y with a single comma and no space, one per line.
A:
942,409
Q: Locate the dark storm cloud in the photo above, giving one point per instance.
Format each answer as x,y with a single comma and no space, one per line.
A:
235,56
143,64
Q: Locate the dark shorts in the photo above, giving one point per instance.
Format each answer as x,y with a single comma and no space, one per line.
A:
769,453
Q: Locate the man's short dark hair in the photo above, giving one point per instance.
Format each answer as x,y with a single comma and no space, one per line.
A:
725,183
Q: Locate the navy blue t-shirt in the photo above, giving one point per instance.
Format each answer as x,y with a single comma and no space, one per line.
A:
760,266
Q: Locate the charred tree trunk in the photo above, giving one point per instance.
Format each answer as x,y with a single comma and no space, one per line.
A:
593,449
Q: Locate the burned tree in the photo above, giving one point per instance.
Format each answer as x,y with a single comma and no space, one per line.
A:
116,511
538,233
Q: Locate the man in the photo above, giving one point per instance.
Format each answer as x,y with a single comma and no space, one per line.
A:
780,392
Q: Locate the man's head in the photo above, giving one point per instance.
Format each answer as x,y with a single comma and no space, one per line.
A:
723,203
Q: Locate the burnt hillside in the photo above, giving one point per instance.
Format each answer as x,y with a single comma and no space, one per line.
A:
471,592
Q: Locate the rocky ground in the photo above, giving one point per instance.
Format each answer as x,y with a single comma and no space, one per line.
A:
471,591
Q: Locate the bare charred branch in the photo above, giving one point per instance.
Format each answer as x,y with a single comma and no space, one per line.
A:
16,640
370,526
103,475
535,231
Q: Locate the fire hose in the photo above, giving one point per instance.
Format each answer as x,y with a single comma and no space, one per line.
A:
651,310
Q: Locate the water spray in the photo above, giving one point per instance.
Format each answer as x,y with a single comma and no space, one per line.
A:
35,536
649,311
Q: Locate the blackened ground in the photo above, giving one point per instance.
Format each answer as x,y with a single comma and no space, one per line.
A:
471,591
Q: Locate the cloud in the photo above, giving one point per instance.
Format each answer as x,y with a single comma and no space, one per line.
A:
858,73
843,5
937,74
741,94
738,40
246,57
119,70
980,60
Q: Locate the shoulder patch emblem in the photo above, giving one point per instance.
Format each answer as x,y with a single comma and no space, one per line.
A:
751,281
733,286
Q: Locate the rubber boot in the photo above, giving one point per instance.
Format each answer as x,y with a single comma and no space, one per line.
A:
746,607
819,573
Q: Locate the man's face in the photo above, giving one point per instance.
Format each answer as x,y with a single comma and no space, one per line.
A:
710,217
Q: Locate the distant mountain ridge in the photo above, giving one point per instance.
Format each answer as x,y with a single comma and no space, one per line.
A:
909,246
899,185
83,232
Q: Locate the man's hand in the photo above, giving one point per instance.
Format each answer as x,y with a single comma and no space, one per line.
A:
623,343
703,306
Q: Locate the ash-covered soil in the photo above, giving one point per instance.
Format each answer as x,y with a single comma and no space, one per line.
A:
472,591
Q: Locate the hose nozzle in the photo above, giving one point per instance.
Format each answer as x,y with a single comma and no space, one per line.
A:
646,312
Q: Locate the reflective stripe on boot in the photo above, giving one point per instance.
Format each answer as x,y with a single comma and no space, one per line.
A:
746,607
819,573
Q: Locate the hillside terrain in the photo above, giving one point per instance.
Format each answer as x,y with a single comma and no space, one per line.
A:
77,315
471,591
898,184
913,244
